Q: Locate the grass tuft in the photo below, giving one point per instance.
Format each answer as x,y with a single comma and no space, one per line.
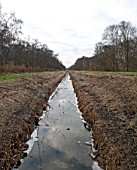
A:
17,75
110,72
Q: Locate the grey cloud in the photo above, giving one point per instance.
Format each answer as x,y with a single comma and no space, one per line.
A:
104,18
35,29
59,43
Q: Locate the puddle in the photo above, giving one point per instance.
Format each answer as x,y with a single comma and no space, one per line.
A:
62,140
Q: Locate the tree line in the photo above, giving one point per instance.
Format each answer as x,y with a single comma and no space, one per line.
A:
23,54
117,51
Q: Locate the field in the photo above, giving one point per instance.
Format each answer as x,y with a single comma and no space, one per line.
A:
108,102
109,72
17,75
22,97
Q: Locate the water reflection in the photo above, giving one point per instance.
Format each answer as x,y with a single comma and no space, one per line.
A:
61,135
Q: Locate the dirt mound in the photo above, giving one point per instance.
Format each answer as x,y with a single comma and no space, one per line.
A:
21,103
109,104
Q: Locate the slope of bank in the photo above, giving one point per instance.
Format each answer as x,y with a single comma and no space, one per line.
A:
21,104
109,104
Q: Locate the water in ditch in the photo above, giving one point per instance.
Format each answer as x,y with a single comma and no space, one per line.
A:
62,139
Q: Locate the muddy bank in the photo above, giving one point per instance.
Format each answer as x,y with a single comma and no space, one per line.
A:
109,104
21,103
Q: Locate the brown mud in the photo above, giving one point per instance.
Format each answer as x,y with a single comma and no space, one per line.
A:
109,104
21,104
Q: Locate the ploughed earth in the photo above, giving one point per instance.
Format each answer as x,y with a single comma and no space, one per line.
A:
21,104
109,103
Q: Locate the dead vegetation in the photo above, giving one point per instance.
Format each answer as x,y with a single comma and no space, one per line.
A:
109,104
21,103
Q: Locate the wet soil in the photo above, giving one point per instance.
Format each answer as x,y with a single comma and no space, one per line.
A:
109,104
21,103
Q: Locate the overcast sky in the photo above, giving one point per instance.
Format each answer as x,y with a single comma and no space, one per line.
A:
70,27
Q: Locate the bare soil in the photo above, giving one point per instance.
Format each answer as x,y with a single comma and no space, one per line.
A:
21,104
109,104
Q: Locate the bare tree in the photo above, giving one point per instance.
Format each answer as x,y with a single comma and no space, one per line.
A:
111,40
127,34
116,52
19,52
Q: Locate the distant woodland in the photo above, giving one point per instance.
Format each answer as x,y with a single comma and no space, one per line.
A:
117,50
20,54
